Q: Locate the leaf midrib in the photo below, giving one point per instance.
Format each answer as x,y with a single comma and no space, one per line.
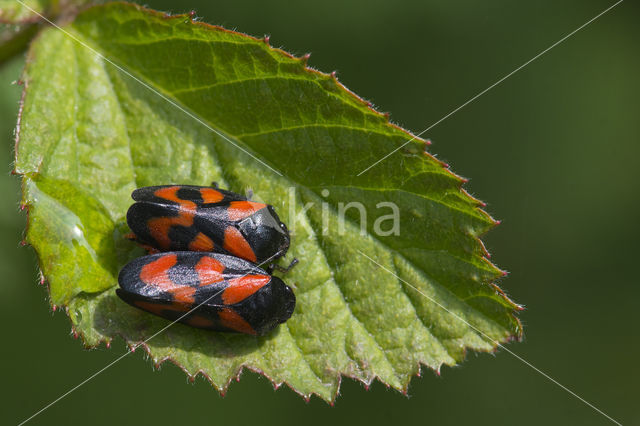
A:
121,111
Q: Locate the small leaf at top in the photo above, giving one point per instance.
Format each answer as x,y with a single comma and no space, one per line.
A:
14,12
29,11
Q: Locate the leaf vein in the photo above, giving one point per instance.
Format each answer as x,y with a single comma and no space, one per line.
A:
346,305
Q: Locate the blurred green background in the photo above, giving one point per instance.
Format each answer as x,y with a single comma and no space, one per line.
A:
554,151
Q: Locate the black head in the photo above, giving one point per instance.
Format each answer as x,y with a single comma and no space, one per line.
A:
266,234
283,228
270,306
286,297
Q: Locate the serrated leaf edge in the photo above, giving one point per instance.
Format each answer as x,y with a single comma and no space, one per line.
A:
222,389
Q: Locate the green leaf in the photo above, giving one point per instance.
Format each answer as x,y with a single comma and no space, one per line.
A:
29,11
13,12
90,134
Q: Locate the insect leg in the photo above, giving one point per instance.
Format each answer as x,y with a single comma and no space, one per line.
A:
276,267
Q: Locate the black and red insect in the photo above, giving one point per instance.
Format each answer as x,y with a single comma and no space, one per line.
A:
223,293
201,218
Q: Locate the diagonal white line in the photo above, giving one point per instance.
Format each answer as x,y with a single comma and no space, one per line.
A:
113,362
127,353
152,89
495,342
73,389
491,87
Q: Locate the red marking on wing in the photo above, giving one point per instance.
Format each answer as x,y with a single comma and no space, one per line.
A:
156,274
235,243
242,287
149,307
199,321
210,195
201,243
168,193
232,320
156,308
184,294
209,271
239,210
180,307
159,227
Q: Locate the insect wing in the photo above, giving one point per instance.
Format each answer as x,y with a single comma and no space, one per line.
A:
206,290
197,218
175,194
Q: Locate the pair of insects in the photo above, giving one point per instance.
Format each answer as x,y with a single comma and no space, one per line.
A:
209,244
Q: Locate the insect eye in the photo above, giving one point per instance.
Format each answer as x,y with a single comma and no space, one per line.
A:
284,228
